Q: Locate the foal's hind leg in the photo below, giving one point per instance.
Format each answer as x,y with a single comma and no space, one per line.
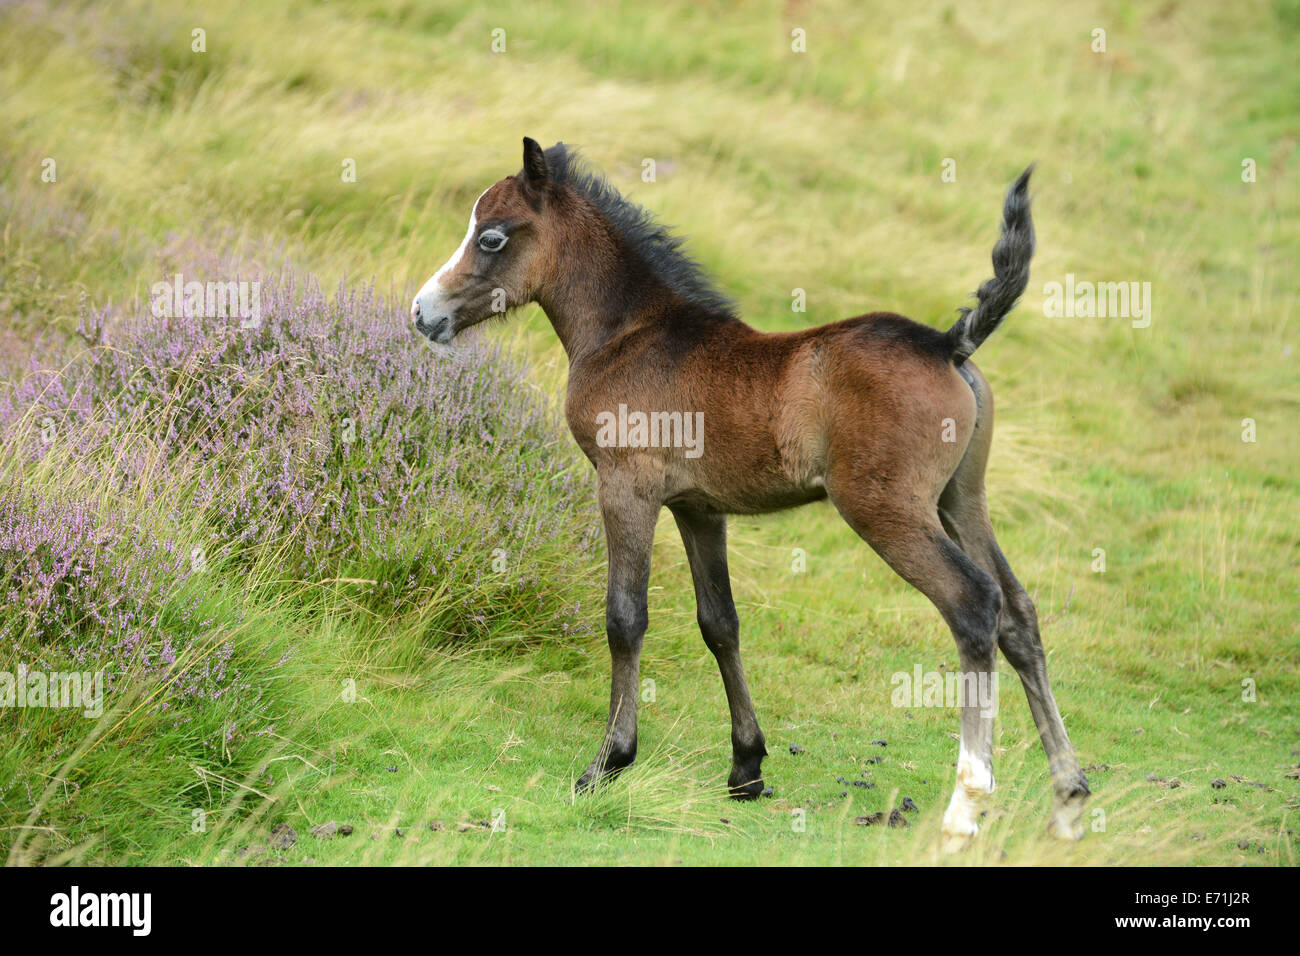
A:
914,544
705,537
963,511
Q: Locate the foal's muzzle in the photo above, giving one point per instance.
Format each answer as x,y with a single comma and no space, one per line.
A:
435,328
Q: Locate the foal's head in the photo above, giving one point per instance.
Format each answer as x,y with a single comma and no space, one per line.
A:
503,259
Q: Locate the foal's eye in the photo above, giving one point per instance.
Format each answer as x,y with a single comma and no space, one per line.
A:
491,240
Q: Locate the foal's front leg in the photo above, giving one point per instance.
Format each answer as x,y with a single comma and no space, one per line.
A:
629,517
705,538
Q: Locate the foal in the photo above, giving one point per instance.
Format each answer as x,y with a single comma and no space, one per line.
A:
886,417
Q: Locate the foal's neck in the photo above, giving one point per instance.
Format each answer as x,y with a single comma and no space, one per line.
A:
602,292
604,289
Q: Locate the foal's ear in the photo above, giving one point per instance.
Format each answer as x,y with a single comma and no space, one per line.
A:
536,173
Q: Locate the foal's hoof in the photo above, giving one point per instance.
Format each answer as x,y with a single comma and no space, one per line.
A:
746,791
597,774
956,842
1067,812
959,833
1067,821
746,782
590,781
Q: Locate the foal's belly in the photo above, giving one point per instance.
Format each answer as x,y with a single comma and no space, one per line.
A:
752,500
751,466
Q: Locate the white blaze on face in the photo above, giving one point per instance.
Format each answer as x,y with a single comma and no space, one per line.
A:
430,297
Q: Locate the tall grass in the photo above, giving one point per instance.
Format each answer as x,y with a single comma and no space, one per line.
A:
181,495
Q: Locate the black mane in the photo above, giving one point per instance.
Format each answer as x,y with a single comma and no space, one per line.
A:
648,238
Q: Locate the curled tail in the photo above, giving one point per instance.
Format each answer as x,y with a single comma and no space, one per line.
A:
998,295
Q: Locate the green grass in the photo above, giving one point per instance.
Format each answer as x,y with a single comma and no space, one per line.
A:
818,171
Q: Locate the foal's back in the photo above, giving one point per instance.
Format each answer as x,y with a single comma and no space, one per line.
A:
878,395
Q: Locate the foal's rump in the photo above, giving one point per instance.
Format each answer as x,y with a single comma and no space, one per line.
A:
904,399
878,403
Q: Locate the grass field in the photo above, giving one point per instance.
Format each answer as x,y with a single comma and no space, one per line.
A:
866,171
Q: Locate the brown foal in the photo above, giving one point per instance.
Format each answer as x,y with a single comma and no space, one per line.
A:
885,417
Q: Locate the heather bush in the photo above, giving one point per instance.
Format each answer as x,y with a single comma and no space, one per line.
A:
326,428
90,590
178,474
326,437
